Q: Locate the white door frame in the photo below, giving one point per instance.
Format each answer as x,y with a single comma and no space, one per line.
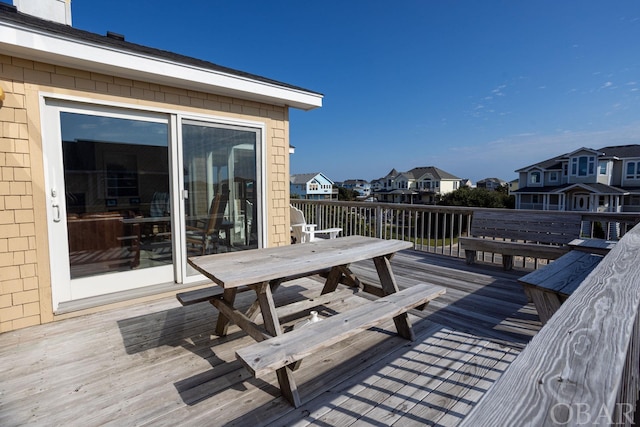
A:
63,288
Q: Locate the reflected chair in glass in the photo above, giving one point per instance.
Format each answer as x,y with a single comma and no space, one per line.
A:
206,234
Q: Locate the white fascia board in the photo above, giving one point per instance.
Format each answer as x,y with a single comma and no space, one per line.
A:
58,50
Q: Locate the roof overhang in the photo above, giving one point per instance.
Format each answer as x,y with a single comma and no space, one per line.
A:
60,50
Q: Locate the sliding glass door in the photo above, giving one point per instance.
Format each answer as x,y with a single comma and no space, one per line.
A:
109,200
220,170
120,214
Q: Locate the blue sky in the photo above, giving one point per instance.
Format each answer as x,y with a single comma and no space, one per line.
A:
476,88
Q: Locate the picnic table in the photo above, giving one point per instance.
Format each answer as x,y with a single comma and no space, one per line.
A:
263,270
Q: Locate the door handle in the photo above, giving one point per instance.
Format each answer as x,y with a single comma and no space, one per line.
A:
56,212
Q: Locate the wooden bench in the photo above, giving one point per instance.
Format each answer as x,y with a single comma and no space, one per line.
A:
549,286
520,233
213,292
286,349
199,295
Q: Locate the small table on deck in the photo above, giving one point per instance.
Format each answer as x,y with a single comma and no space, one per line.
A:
264,270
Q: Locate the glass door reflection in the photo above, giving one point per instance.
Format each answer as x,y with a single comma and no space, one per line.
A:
220,170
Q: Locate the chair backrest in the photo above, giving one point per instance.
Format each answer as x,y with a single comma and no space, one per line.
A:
297,217
301,231
216,211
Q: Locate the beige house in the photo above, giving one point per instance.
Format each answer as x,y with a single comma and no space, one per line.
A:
419,185
118,161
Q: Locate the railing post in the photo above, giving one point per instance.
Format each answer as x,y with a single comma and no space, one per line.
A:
379,222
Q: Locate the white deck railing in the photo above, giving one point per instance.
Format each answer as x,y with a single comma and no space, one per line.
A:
435,229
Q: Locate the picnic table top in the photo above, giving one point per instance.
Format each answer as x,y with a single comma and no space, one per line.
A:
234,269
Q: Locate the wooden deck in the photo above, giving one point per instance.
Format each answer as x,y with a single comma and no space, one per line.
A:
159,364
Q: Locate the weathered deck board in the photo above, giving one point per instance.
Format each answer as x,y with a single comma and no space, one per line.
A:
159,363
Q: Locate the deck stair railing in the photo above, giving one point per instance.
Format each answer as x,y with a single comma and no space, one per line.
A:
436,229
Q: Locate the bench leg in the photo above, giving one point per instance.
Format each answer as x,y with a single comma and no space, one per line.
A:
286,381
546,303
507,262
389,286
470,256
229,296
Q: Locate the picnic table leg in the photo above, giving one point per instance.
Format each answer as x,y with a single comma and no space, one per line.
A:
332,280
389,286
287,383
229,296
252,311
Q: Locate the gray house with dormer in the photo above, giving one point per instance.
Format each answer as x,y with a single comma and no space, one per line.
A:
587,180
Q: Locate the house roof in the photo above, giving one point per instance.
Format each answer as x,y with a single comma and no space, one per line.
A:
614,151
420,172
33,38
437,173
496,180
303,178
594,188
632,150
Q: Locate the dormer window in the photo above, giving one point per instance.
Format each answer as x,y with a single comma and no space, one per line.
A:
553,176
583,165
535,177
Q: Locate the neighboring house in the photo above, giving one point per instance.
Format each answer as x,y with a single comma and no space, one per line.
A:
421,185
312,186
587,180
360,186
111,153
490,183
513,185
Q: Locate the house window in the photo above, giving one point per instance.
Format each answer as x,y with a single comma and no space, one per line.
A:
534,177
602,168
633,170
583,165
553,176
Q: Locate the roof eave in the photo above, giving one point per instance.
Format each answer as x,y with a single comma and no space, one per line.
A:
58,50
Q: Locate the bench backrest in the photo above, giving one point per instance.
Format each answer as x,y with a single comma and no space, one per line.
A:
549,228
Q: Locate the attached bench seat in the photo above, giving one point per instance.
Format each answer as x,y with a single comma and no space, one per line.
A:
214,292
199,295
549,286
520,233
283,350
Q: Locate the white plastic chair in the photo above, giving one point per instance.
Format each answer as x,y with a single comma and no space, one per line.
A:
303,232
